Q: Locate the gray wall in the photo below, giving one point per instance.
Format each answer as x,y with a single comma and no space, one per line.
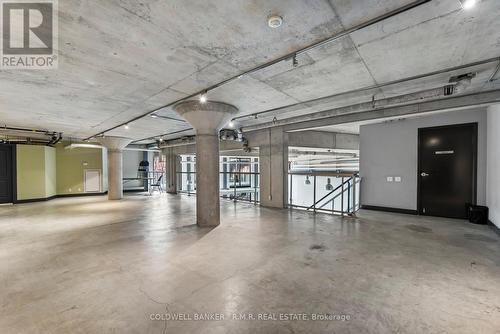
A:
390,149
493,164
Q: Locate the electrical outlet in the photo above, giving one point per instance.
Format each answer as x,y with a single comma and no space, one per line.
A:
397,179
390,179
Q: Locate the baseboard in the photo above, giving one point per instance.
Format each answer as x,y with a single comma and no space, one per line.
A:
388,209
134,190
81,194
34,200
495,228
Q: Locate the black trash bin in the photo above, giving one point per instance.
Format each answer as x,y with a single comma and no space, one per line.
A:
478,214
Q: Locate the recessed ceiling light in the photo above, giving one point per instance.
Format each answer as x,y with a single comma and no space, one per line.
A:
468,4
203,97
274,21
154,115
126,127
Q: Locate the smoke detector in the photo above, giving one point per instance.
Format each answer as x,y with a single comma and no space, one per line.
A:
274,21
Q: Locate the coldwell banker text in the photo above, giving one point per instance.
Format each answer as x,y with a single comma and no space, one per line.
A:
29,34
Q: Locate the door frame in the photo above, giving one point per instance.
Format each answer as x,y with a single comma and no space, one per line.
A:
13,150
474,126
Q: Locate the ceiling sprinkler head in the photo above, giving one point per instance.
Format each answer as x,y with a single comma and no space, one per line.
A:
274,21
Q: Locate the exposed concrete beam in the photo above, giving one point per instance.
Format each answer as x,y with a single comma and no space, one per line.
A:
323,139
362,113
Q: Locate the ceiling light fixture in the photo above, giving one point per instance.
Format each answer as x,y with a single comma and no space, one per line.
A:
329,186
203,97
274,21
231,124
307,181
161,140
468,4
126,127
154,116
295,62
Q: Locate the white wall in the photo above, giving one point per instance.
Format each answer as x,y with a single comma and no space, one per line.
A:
131,160
493,164
390,149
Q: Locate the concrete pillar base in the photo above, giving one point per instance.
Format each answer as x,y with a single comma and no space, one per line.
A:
115,145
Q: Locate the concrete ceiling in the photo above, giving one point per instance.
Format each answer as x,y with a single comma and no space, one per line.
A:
119,59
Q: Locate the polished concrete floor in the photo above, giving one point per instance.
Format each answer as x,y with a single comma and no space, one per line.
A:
86,265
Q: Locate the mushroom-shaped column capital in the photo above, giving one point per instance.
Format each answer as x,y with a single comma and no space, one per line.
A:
114,143
206,118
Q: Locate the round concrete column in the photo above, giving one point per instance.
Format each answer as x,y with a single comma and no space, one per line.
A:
207,119
115,145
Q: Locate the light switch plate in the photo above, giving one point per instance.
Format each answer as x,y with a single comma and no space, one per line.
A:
390,179
397,179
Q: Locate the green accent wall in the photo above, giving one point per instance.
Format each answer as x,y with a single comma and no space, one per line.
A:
36,172
71,164
44,172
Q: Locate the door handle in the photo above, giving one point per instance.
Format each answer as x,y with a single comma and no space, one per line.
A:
424,174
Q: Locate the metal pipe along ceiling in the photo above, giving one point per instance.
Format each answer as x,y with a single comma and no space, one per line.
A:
354,108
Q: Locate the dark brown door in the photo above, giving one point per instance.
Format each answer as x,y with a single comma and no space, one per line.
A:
6,174
447,170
